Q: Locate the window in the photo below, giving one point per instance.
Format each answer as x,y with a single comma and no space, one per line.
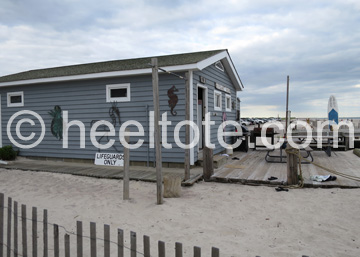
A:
217,100
228,103
118,93
15,99
219,65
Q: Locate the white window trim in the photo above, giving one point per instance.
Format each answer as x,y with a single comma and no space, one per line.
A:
226,108
118,99
216,108
219,66
10,94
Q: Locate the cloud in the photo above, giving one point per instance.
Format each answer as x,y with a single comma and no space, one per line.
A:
313,42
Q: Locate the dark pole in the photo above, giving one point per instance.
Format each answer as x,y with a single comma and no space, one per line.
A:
287,106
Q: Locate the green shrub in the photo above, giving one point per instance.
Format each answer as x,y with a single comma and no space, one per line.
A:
7,153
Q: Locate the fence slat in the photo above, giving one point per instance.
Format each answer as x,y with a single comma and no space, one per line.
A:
79,239
92,239
1,224
9,227
161,246
34,232
197,251
24,230
67,245
133,244
215,252
45,233
178,250
120,243
106,240
56,240
146,246
15,229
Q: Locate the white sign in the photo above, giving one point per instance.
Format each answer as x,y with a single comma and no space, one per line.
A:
109,159
222,88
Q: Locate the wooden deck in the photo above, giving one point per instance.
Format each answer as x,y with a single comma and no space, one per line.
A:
253,169
147,174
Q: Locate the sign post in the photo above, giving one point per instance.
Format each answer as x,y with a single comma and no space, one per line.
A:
126,178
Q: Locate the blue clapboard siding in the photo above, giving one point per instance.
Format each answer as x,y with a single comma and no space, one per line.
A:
214,75
86,101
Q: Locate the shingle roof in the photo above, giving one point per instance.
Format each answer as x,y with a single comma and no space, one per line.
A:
116,65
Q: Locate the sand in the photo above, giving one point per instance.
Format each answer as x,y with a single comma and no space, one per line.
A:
240,220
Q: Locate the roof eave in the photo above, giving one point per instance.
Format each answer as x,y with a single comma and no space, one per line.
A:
223,56
96,75
228,64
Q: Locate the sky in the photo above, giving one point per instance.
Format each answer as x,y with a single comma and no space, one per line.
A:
315,43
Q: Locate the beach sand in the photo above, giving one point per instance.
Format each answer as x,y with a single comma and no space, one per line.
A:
240,220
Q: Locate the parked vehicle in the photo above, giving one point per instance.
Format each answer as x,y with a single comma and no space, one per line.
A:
251,121
244,122
259,121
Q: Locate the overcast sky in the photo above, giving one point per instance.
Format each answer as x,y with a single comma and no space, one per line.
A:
316,43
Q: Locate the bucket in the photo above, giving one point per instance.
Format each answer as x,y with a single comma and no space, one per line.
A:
229,150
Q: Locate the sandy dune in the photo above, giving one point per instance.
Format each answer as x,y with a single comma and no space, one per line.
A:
240,220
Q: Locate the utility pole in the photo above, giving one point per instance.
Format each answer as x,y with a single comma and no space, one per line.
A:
287,119
155,82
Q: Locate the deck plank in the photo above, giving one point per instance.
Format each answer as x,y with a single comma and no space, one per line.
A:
253,168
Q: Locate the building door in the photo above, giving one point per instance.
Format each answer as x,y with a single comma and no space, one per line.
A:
200,119
201,111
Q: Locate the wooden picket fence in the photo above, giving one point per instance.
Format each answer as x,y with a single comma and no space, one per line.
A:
13,247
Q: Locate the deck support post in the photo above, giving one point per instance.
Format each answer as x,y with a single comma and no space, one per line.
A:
292,167
208,163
